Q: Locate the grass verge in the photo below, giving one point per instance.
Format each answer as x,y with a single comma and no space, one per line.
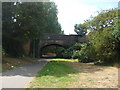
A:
54,75
67,73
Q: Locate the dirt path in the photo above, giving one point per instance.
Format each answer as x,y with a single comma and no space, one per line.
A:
20,77
93,76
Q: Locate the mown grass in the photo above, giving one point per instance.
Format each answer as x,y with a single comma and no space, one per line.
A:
54,75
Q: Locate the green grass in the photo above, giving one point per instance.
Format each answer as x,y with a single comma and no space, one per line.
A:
69,60
54,75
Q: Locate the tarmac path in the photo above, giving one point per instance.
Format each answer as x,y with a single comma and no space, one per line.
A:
21,76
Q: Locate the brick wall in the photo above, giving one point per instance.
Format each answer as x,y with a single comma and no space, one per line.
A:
26,47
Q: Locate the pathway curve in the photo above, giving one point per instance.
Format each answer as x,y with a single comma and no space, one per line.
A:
21,76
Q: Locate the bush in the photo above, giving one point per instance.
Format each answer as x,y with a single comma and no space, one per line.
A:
76,54
86,54
102,48
67,53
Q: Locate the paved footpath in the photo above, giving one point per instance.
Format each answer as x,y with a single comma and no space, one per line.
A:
21,76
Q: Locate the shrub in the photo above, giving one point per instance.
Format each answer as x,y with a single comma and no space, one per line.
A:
86,54
76,54
67,53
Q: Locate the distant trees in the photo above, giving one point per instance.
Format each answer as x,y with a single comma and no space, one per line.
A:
25,22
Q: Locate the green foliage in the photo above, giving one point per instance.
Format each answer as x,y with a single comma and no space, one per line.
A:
104,39
70,52
85,54
77,48
80,29
67,53
27,21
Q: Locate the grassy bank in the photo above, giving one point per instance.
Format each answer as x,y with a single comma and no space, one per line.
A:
9,63
54,75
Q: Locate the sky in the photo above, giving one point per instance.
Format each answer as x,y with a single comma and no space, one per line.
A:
71,12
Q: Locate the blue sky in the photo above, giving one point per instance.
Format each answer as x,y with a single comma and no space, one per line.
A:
102,4
71,12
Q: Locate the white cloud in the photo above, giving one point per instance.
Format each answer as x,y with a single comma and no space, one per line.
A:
73,12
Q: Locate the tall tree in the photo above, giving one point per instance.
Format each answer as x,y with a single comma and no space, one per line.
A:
27,21
105,35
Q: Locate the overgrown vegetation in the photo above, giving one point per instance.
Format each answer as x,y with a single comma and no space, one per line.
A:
104,39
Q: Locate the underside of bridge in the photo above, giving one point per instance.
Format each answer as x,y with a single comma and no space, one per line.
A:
51,51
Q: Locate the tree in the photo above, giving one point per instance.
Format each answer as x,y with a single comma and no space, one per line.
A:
104,35
27,21
104,38
52,24
80,29
9,42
